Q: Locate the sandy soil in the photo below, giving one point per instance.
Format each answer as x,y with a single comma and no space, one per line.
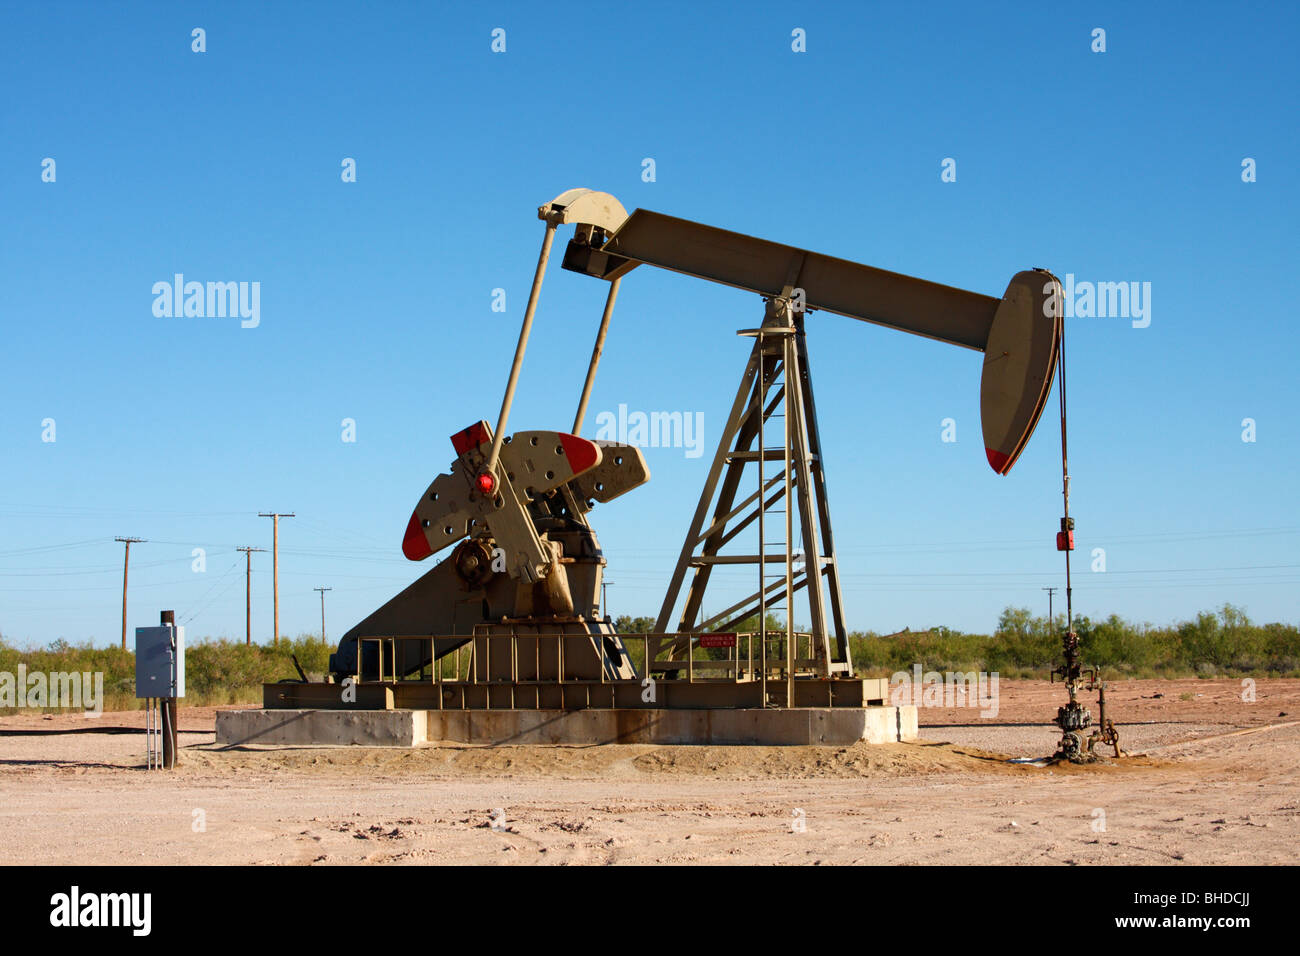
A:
73,792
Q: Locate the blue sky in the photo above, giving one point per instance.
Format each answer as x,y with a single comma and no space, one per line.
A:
376,295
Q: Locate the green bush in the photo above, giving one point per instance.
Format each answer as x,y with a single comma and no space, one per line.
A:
1214,644
216,671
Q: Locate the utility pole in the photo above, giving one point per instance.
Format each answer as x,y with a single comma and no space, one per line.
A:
275,563
322,611
604,608
1050,592
248,592
167,706
125,566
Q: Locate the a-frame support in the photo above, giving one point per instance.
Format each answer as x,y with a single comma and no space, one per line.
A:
776,382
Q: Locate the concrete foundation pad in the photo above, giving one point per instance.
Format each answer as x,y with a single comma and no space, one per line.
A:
323,728
409,728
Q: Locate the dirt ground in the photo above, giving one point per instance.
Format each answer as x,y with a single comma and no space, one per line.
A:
1199,791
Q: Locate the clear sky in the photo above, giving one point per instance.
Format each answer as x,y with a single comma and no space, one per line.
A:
376,295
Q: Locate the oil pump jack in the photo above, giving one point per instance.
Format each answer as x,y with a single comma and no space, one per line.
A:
518,595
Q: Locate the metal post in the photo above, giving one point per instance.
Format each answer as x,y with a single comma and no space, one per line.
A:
275,563
760,395
126,563
827,564
803,418
788,363
168,705
524,330
595,356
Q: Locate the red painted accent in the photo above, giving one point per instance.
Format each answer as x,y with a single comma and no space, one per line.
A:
486,483
414,544
470,437
1001,463
717,640
1064,544
581,453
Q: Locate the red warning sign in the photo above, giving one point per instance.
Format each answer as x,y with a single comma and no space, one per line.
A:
717,640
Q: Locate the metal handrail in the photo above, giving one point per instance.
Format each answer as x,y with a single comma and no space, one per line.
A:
732,662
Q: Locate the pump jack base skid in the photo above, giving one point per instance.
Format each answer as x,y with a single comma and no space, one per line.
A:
836,711
835,692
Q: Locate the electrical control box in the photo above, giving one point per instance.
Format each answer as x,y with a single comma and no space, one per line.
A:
160,661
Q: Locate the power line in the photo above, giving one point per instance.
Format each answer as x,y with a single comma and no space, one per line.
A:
209,597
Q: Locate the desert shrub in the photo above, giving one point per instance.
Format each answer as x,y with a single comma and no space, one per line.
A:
216,671
1223,644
